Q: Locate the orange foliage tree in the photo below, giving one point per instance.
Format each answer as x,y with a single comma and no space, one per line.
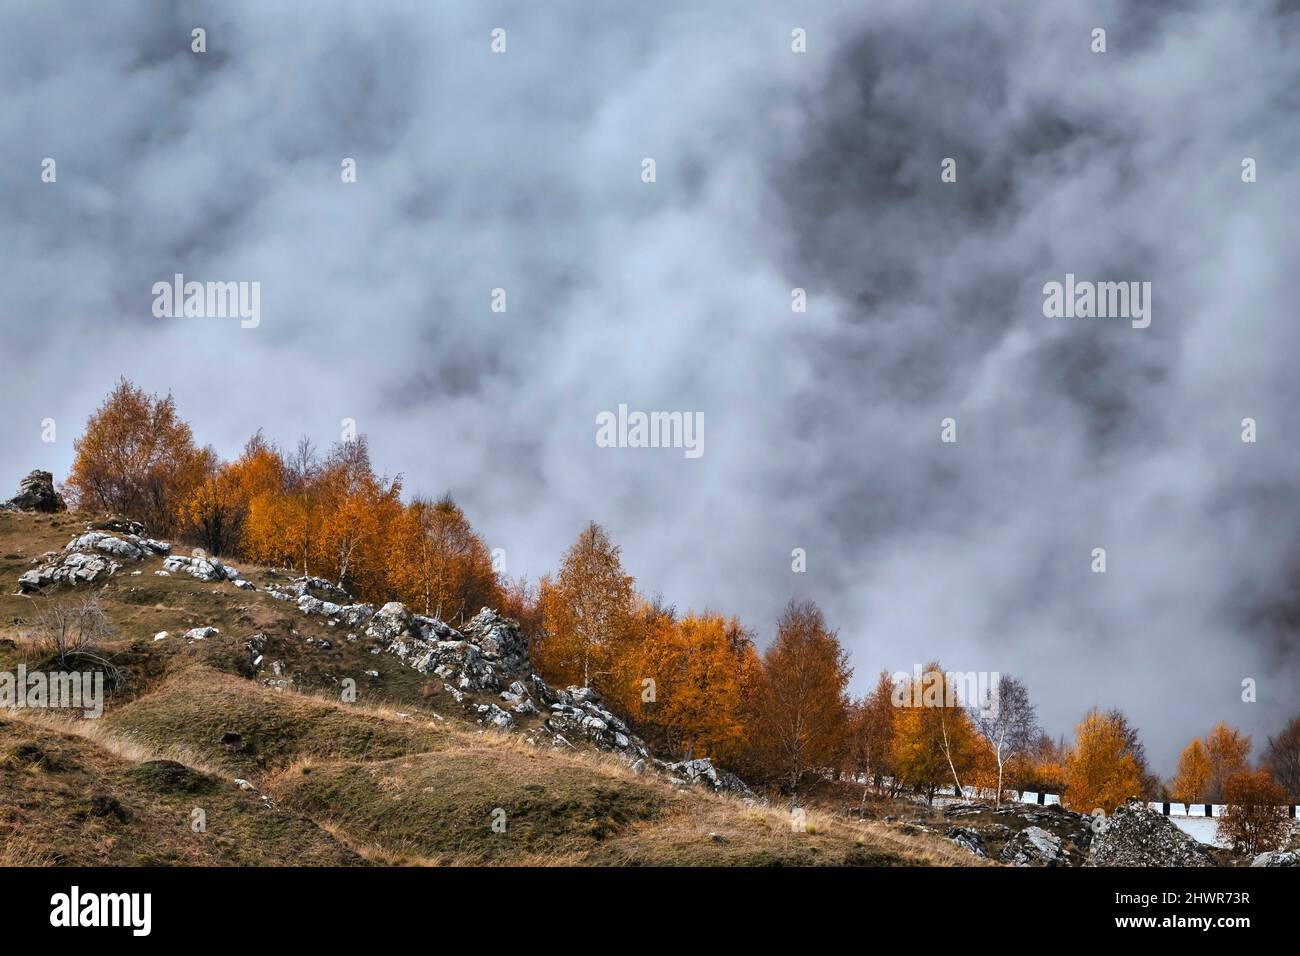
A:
440,564
1228,750
1041,768
699,666
1256,817
871,733
799,718
285,514
357,510
215,511
1191,783
587,614
935,741
1101,769
137,458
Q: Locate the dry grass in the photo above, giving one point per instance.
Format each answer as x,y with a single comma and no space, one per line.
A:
72,793
26,848
122,746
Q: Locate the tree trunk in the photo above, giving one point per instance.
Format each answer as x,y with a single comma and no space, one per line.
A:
997,801
947,752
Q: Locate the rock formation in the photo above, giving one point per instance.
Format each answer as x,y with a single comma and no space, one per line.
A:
36,493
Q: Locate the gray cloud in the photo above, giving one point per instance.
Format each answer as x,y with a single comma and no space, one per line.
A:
775,170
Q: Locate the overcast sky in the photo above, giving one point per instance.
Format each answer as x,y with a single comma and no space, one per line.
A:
775,169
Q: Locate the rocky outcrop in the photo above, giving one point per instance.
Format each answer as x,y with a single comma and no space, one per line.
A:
316,588
490,657
1074,828
702,771
36,493
485,668
1277,858
1136,835
89,557
1034,846
968,839
579,712
202,567
1018,834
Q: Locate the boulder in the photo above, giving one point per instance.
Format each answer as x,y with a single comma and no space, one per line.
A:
119,524
319,587
36,493
313,605
1034,846
494,715
389,622
968,839
205,569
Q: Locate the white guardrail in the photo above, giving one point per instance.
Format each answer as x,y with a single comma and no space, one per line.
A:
1167,808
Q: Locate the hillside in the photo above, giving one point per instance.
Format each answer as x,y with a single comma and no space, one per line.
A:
249,724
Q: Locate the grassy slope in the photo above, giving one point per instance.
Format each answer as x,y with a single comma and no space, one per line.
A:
398,778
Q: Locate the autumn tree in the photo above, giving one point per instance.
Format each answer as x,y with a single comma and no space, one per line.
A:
1255,818
800,704
1150,785
1282,758
934,739
587,612
1041,768
1191,783
1007,720
215,512
1102,769
137,458
284,519
356,509
699,665
440,564
211,514
1228,750
871,733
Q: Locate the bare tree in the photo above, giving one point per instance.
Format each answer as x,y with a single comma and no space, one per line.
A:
1283,759
1007,720
70,633
302,464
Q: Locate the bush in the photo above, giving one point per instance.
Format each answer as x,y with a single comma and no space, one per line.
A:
70,634
1255,819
